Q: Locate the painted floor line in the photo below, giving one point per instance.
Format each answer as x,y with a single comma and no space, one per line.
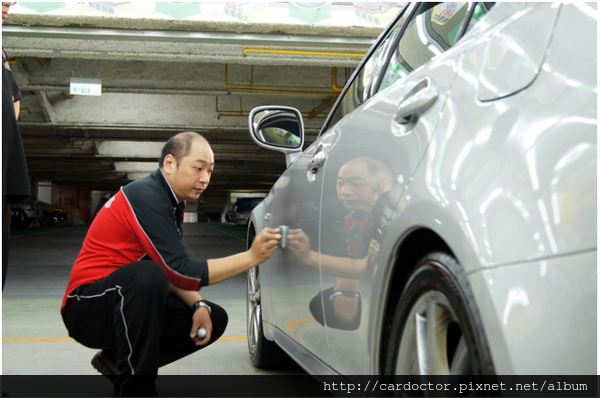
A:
57,339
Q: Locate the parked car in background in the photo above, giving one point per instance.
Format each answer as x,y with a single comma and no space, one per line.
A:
30,211
229,216
25,213
52,215
444,220
242,209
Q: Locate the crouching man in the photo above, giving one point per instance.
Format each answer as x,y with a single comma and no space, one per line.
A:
133,290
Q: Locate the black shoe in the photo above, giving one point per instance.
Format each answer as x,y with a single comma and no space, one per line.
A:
104,363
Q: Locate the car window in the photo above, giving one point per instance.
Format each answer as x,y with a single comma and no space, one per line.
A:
478,13
362,87
428,35
360,91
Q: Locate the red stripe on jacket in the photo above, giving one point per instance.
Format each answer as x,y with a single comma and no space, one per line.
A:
115,239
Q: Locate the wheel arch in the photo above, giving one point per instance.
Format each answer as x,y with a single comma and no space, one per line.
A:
410,250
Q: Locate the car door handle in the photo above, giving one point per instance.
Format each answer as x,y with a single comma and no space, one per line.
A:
412,107
318,160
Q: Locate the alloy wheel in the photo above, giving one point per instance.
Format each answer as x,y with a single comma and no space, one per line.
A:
253,309
432,342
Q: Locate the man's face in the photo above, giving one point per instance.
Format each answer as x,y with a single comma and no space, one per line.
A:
5,8
191,177
355,186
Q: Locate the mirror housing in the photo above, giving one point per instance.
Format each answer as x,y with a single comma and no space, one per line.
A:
279,128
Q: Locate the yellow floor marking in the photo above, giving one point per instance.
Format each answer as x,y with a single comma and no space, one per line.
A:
297,322
51,339
234,338
27,340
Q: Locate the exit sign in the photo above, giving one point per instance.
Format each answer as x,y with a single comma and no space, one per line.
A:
86,86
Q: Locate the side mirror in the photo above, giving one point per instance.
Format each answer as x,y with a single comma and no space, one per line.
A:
277,127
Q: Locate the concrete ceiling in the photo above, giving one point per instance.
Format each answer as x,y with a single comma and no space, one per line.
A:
160,78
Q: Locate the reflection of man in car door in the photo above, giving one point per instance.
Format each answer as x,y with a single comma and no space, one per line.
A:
360,183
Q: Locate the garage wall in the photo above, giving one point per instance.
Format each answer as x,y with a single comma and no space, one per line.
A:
73,200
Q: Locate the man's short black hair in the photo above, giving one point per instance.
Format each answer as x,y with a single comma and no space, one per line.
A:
179,146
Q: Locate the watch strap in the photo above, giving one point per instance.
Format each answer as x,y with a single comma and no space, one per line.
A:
202,303
345,293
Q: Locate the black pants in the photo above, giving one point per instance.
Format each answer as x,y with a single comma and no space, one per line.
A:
5,237
132,312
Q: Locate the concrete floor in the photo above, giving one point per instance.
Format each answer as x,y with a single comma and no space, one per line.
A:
35,341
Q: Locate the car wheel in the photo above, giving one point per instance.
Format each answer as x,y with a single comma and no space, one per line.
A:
20,219
264,354
436,328
45,220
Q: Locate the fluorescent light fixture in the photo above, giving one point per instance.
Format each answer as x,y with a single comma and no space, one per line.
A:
136,167
130,149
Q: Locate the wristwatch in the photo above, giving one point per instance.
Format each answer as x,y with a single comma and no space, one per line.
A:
345,293
202,303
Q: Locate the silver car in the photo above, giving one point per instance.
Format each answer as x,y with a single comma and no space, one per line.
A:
444,220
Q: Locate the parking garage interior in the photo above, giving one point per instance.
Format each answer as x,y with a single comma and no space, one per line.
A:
162,76
163,68
459,230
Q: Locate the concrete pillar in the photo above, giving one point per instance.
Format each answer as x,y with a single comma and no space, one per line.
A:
210,206
191,211
44,191
226,206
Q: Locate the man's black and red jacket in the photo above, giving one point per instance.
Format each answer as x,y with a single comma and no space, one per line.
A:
143,220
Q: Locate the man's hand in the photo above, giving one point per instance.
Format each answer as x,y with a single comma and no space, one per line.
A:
264,244
299,243
201,319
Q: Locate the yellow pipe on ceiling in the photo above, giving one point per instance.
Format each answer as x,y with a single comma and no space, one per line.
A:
242,113
292,89
302,52
280,92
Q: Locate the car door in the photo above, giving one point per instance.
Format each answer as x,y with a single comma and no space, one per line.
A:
294,281
378,147
292,284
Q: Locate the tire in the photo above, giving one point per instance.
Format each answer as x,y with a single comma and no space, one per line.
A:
436,329
46,220
19,219
264,354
